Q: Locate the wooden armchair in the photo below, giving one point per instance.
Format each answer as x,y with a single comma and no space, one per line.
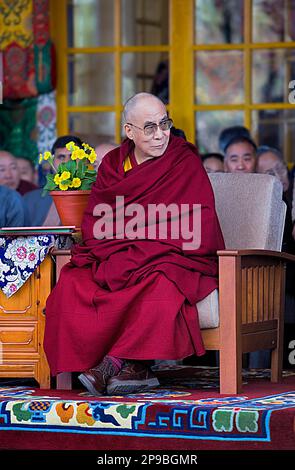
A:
251,274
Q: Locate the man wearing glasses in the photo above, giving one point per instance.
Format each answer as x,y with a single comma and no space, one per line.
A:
129,295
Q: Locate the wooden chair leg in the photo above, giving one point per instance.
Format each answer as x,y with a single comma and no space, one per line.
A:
277,353
230,371
230,326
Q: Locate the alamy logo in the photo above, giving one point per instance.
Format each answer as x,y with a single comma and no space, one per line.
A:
292,93
291,357
155,221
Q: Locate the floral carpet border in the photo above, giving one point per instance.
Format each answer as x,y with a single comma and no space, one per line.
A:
162,414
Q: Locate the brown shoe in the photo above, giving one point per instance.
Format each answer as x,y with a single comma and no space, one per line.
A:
134,377
95,379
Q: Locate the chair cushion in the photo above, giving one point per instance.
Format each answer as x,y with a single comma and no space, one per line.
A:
208,310
250,209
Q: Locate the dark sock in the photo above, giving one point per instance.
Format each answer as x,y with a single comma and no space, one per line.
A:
116,361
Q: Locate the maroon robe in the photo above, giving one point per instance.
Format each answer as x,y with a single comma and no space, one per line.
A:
136,299
25,187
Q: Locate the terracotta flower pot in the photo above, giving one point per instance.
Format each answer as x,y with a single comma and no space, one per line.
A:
70,206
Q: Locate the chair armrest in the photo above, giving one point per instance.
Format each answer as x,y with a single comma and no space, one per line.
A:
261,253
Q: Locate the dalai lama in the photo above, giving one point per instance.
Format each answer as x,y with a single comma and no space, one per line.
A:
129,294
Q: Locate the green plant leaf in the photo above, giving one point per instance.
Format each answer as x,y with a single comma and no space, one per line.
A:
71,166
86,185
50,186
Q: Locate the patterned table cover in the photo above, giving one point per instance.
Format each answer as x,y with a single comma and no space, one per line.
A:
21,255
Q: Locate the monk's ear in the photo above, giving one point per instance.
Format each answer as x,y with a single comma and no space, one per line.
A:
128,131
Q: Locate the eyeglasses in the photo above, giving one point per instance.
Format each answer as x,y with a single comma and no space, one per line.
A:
151,129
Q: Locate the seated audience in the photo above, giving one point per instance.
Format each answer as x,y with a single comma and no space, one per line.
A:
10,174
12,212
27,170
135,293
240,155
229,133
213,162
270,161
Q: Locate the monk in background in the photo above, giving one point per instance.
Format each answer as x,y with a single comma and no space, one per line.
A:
129,294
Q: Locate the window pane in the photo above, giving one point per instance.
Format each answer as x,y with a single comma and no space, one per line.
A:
147,71
272,71
91,79
276,128
211,123
218,21
144,22
90,23
219,77
93,128
273,20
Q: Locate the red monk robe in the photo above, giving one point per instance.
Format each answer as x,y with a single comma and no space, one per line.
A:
136,299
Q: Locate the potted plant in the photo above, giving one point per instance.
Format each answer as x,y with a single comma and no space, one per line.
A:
70,183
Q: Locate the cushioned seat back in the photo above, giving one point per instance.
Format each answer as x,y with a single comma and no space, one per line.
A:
250,210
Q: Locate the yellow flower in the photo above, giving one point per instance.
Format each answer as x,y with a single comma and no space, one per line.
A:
57,179
78,153
92,156
81,154
71,146
63,186
65,175
47,155
76,183
40,158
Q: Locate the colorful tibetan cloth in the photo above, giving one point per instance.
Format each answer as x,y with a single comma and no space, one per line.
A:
16,41
44,55
18,131
46,121
28,54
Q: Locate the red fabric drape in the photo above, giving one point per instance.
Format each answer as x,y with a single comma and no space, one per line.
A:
136,299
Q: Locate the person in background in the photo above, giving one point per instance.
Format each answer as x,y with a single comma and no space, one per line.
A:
160,84
12,212
270,161
10,174
213,162
239,150
101,150
27,170
41,209
240,155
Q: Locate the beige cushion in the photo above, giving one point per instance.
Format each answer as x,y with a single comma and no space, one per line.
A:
250,210
208,310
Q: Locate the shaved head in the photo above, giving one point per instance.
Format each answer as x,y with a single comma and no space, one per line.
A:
143,116
136,101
